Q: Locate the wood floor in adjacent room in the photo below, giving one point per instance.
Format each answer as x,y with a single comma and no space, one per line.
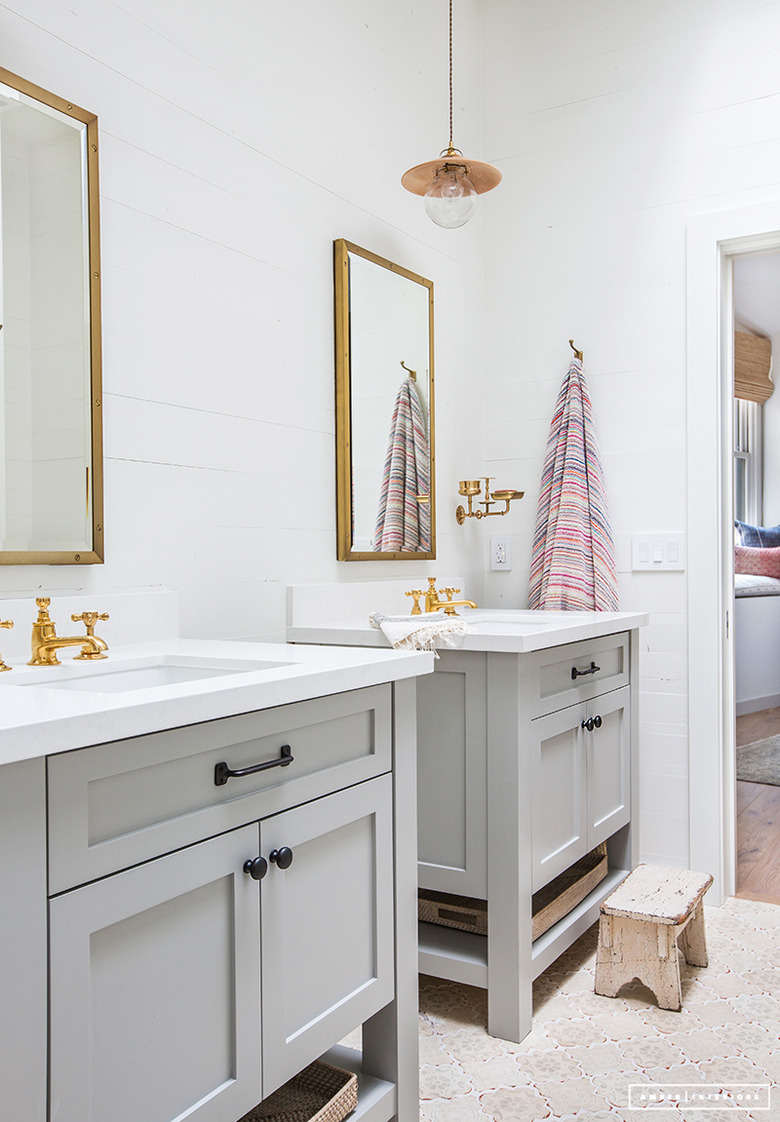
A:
758,819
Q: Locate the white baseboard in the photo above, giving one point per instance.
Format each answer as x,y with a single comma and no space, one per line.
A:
756,704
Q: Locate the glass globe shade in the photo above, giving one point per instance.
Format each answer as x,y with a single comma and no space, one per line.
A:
451,199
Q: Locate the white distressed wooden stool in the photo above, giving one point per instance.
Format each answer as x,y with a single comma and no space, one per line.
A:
638,929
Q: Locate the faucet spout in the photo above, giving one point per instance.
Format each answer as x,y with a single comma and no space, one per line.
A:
46,651
449,607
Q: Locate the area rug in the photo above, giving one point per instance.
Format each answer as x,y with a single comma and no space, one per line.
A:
760,762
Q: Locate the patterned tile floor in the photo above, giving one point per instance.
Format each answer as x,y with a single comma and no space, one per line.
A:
585,1050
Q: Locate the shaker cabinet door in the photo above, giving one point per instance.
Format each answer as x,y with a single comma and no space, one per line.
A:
559,793
155,1006
608,749
327,932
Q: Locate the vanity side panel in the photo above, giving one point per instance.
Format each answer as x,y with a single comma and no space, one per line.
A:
23,997
452,775
390,1044
510,974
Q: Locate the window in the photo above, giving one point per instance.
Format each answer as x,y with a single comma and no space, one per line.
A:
748,462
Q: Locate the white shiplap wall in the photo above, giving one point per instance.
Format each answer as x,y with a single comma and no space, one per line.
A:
237,141
624,120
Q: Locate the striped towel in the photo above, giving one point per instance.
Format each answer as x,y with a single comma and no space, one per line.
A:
402,522
573,556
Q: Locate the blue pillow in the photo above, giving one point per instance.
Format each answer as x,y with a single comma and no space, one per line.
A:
762,536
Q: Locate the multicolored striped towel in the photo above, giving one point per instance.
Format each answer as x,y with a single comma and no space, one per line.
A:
573,556
403,522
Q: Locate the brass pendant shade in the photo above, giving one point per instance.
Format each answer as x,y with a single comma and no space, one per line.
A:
451,184
484,176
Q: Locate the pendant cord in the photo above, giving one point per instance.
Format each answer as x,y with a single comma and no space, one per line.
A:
450,73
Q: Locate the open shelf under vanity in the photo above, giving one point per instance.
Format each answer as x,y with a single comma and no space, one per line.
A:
462,956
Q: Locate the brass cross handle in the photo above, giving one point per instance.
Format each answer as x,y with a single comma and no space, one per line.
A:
450,592
42,603
416,593
5,623
89,619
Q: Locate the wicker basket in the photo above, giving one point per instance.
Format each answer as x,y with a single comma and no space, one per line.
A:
554,900
461,912
549,904
319,1093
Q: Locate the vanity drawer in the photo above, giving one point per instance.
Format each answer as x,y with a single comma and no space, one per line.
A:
579,671
123,803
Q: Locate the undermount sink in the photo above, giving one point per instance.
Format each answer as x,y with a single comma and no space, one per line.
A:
141,674
511,620
507,627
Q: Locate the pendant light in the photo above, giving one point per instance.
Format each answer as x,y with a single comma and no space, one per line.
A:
450,185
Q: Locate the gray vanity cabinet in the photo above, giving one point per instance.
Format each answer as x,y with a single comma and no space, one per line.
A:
157,972
180,985
515,785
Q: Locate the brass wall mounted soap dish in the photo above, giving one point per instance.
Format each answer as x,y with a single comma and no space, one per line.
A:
471,487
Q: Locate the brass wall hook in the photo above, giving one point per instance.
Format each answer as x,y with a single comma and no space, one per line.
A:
577,354
412,373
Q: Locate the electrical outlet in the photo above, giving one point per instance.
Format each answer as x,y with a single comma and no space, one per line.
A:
500,553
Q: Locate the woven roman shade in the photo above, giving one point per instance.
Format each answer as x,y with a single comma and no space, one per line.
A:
752,363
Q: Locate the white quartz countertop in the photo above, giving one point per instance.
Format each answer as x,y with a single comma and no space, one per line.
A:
45,710
509,630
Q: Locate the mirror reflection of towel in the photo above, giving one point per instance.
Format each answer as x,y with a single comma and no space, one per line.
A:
403,522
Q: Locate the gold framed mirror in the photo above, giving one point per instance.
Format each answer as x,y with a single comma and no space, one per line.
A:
51,467
385,462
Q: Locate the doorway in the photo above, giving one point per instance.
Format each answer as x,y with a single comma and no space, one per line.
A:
756,503
714,241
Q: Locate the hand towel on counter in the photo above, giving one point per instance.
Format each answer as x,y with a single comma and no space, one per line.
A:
420,633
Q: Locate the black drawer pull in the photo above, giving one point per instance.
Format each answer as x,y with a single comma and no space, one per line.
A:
222,772
575,673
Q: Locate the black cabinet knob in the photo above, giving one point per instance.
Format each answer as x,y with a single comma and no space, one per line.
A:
597,721
256,868
283,857
589,724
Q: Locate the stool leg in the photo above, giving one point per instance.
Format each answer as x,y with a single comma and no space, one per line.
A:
612,971
663,976
693,943
630,949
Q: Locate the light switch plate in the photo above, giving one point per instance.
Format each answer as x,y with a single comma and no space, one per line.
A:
658,552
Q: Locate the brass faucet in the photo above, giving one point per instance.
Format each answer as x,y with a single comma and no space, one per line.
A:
46,643
432,601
